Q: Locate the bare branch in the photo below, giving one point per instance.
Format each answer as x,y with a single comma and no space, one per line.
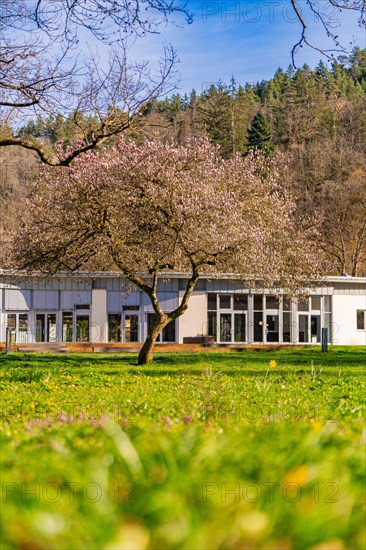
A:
45,67
317,10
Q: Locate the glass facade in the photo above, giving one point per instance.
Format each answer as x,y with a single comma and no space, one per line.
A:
229,312
227,317
267,318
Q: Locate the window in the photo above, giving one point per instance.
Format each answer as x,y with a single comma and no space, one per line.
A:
240,302
327,303
18,322
225,301
361,315
123,327
227,322
303,305
12,321
272,302
258,302
212,302
212,324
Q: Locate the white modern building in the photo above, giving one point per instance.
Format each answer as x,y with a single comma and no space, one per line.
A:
101,307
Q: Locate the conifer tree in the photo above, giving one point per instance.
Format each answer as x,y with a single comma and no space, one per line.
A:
259,135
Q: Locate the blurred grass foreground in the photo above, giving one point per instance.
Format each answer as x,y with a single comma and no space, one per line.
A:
198,451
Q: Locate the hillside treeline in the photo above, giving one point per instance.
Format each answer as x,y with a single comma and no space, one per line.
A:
315,117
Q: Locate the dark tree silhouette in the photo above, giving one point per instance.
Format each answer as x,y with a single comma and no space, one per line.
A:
259,135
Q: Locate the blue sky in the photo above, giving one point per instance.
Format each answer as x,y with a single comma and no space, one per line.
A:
245,39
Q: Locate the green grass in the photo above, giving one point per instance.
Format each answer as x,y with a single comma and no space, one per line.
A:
209,450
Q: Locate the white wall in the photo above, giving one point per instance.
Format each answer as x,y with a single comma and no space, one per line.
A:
17,300
194,320
344,320
99,318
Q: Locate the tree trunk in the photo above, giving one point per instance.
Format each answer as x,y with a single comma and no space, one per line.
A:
146,355
162,319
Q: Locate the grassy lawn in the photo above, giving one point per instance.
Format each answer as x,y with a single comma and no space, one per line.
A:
199,451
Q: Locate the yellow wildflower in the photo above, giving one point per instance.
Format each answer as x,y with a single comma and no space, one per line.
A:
272,364
298,475
317,426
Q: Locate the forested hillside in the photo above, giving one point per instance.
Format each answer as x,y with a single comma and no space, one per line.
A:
316,118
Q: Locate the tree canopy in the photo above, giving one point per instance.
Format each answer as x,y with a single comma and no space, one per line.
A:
317,119
48,68
154,209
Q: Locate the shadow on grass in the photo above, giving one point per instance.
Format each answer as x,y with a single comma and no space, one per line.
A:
253,363
56,360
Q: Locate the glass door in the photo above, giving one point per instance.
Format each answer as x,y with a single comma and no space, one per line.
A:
303,328
272,325
46,328
114,328
40,327
239,327
225,327
51,327
130,327
67,326
258,326
315,329
82,328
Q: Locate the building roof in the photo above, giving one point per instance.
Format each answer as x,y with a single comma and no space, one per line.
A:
167,275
